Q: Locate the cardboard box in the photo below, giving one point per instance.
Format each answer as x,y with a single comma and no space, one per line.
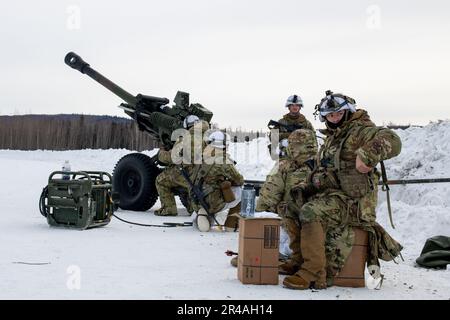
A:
352,274
259,240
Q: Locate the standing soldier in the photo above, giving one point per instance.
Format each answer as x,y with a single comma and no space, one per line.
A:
294,104
171,178
342,190
220,183
275,194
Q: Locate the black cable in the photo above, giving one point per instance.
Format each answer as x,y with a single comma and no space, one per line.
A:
165,225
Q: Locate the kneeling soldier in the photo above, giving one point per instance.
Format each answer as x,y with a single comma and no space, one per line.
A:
219,182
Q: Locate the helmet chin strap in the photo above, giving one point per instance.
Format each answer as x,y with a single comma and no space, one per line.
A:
344,118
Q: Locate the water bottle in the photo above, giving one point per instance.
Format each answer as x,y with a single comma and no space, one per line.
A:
248,201
66,168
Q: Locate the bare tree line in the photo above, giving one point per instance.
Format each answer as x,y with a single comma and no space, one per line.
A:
74,132
71,132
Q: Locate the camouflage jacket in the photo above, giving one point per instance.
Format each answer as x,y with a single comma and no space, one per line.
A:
217,167
336,172
275,194
290,119
197,144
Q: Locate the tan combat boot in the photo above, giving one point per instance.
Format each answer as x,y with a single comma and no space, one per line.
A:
292,265
232,221
312,272
169,211
288,267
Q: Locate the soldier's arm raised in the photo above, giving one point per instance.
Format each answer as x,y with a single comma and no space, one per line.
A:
378,144
164,156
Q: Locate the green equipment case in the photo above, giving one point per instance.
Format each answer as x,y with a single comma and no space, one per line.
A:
83,201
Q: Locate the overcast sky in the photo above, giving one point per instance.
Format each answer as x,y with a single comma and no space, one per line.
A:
241,59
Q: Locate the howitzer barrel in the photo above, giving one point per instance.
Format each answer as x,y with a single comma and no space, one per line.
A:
76,62
418,181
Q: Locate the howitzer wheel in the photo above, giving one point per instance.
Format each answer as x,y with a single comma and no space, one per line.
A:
134,179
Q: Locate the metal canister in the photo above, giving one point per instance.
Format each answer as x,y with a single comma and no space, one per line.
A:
248,200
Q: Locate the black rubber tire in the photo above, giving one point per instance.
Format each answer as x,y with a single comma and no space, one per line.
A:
134,179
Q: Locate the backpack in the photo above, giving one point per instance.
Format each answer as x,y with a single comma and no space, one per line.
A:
435,253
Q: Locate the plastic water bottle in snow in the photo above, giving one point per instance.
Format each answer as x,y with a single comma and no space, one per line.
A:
248,201
66,168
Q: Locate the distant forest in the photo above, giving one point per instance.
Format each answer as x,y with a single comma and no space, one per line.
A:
72,132
77,131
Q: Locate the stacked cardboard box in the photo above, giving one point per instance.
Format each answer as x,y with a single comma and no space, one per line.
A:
259,240
352,274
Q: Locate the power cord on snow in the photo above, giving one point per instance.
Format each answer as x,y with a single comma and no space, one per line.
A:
164,225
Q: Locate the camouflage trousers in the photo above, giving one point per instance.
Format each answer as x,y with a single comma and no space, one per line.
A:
333,213
167,180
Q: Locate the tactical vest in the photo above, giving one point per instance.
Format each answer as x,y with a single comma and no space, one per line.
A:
335,172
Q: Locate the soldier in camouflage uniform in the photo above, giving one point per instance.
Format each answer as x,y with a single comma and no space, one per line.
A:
342,192
220,183
294,103
171,177
275,194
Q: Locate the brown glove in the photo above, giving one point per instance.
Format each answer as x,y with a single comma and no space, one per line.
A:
301,192
227,192
282,208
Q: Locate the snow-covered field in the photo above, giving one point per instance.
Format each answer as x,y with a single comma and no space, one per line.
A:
122,261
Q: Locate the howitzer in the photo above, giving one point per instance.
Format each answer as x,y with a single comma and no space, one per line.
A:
150,113
288,127
135,174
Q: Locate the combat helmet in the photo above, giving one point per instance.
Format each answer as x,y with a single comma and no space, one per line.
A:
334,102
302,145
294,99
218,139
190,120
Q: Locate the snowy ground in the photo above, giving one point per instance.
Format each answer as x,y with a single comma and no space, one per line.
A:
121,261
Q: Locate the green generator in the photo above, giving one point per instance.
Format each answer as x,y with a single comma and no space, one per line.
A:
78,200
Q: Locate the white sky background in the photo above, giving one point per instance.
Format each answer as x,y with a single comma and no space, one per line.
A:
241,59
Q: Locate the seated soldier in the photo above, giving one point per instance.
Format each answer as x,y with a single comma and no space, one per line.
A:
342,192
275,194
